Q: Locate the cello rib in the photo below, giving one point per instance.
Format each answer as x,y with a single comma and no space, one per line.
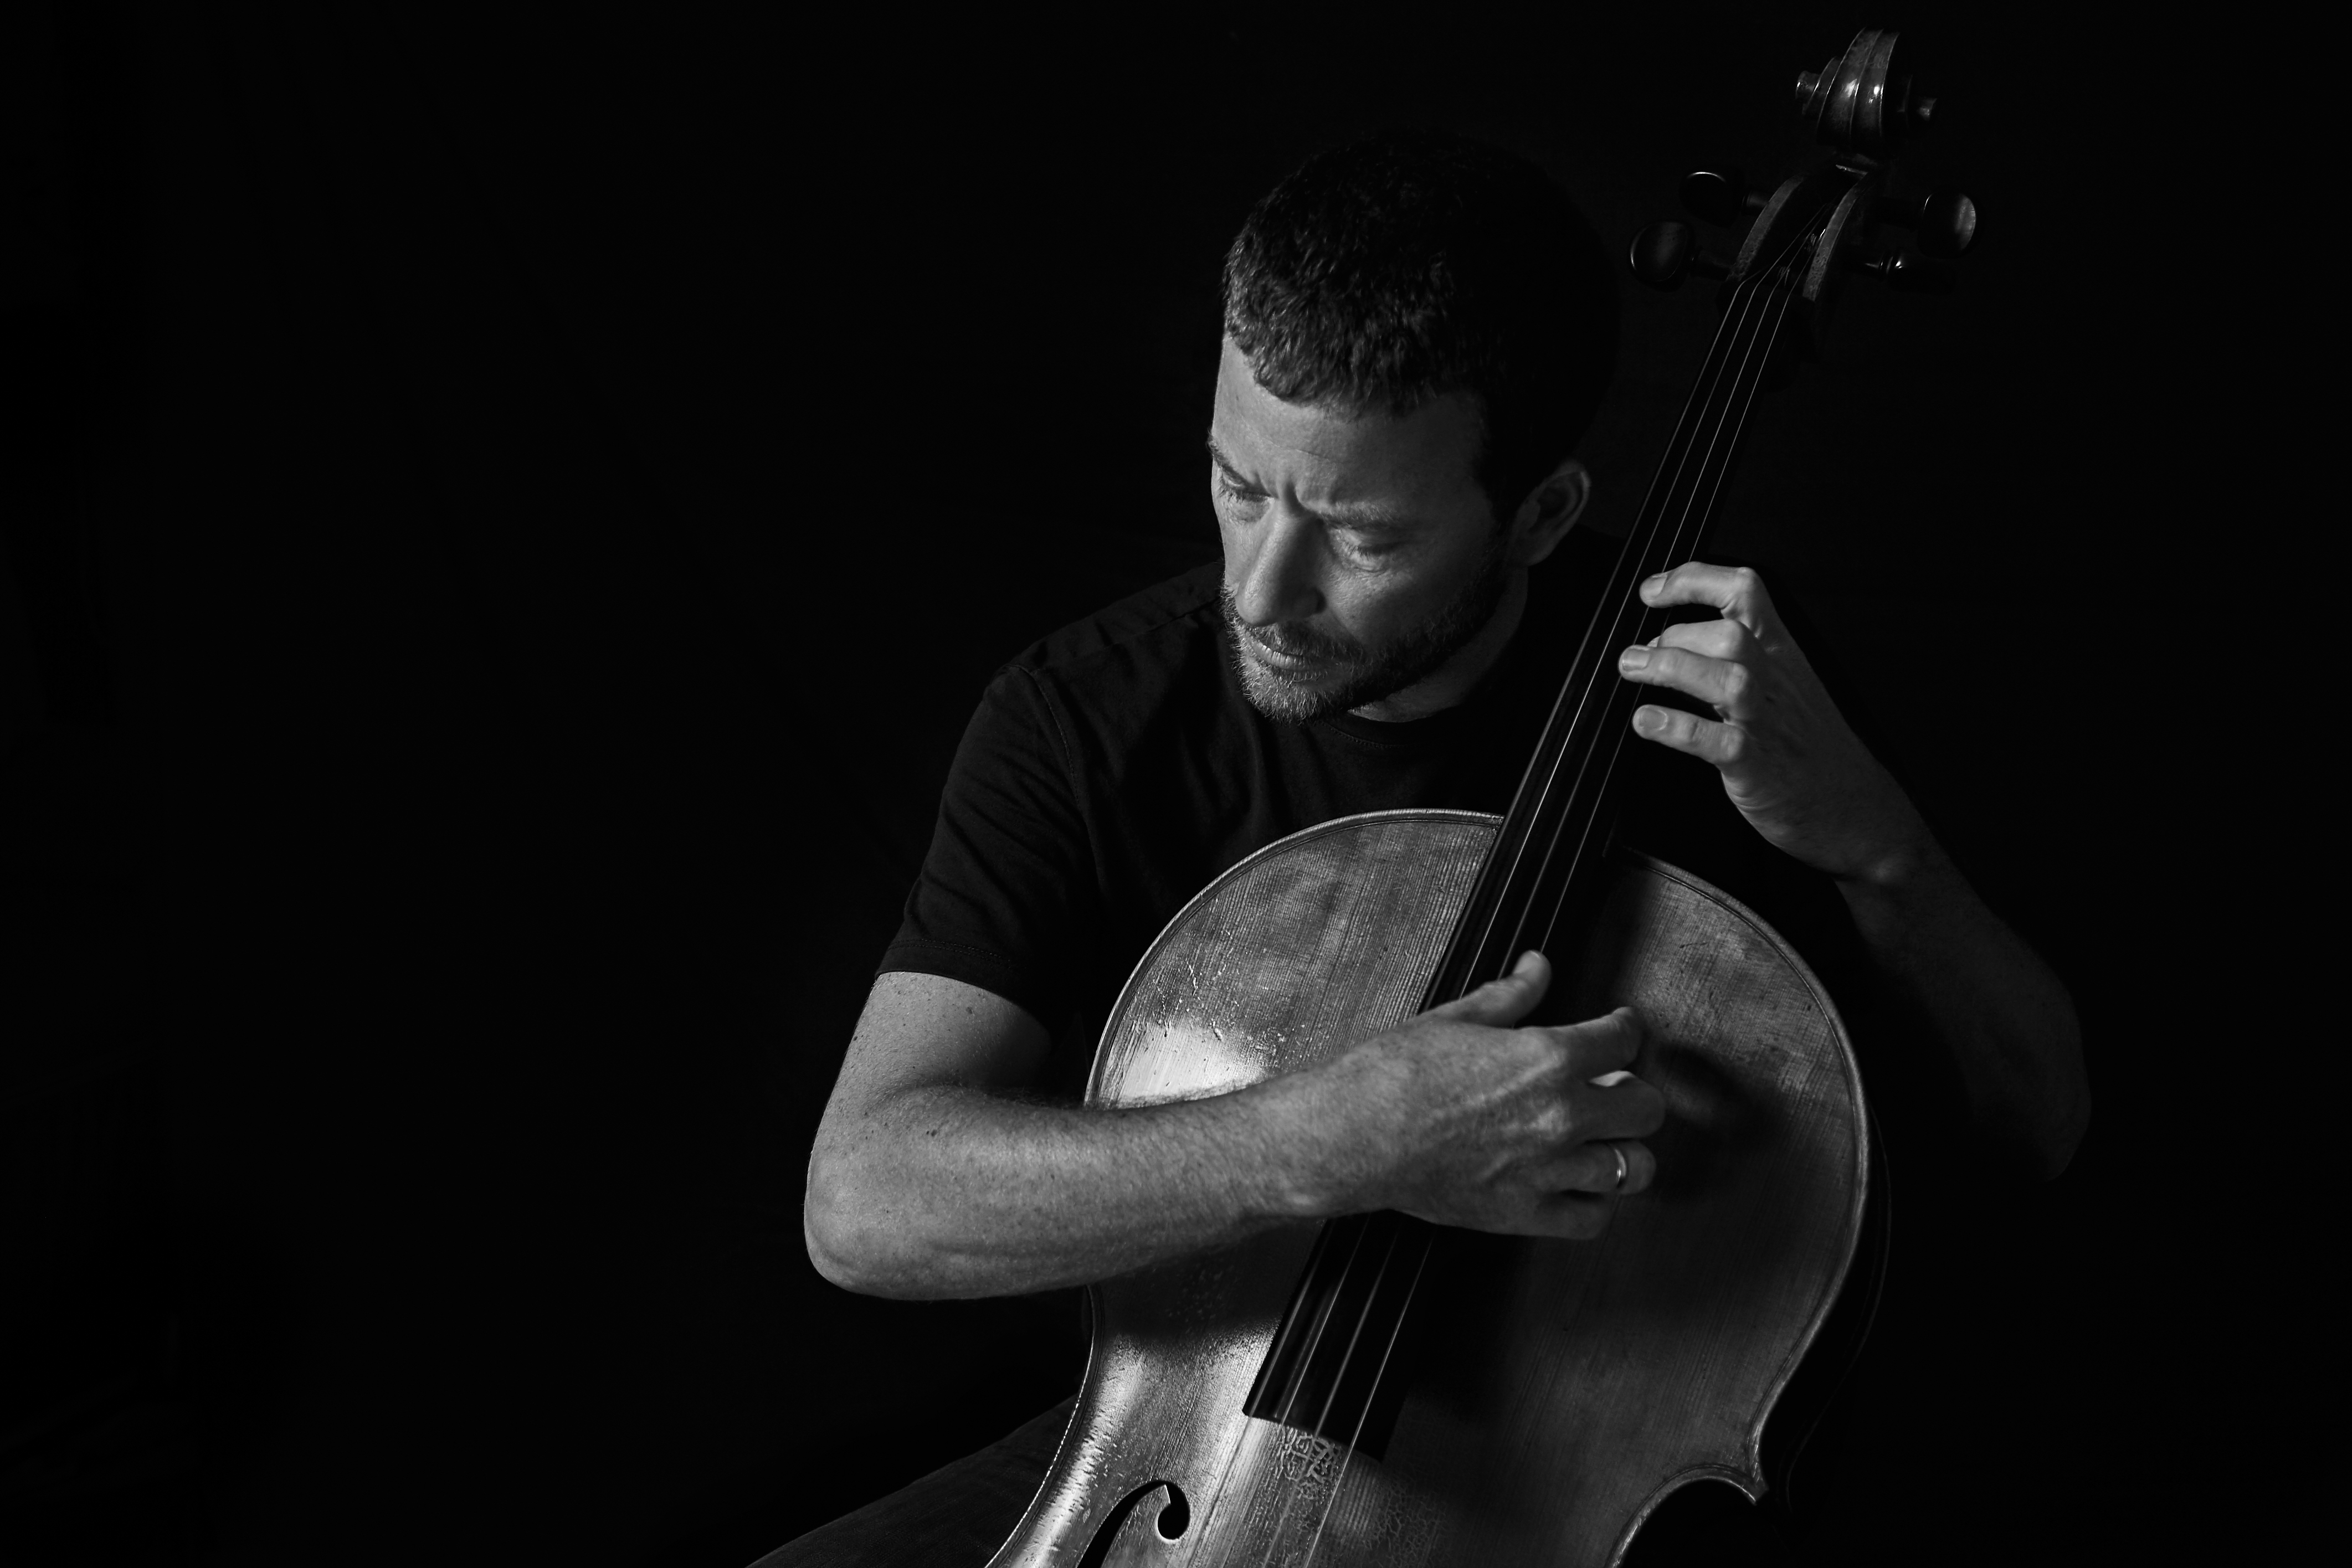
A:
1602,1374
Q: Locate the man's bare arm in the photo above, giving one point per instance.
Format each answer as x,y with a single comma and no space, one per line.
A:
2005,1020
933,1177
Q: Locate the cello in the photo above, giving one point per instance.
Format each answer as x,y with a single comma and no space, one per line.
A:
1377,1390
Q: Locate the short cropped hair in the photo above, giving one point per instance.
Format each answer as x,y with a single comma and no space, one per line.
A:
1392,271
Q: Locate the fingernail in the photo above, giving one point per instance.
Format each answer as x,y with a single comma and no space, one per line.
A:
1652,584
1634,659
1650,720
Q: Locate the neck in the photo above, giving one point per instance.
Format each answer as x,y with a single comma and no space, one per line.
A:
1452,682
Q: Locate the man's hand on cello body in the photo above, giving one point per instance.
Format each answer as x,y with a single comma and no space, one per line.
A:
1802,779
931,1177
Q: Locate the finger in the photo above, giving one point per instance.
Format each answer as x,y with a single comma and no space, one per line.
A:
1592,1169
1506,1000
1725,683
1713,639
1598,1046
1737,591
1634,1109
1725,745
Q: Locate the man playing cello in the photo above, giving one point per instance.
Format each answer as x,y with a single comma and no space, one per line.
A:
1416,331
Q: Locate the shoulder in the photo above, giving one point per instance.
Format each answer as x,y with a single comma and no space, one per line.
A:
1171,618
1125,656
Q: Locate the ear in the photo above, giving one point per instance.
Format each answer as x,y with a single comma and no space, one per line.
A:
1550,510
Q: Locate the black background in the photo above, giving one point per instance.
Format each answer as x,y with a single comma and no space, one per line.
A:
506,517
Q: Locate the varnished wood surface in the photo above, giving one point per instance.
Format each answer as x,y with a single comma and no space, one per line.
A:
1568,1385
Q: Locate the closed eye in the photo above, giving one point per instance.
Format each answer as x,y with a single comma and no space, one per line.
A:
1233,488
1229,478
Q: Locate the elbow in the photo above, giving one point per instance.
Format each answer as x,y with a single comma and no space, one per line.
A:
2069,1118
2045,1117
834,1244
846,1227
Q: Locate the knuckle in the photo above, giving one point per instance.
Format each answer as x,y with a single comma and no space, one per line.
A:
1733,746
1737,679
1553,1124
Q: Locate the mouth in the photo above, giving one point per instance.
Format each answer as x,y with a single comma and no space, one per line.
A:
1283,660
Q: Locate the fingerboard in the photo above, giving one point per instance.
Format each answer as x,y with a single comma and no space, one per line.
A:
1334,1368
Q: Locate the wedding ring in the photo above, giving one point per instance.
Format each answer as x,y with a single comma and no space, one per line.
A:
1621,1163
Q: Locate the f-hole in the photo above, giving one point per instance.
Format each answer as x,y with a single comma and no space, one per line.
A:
1175,1519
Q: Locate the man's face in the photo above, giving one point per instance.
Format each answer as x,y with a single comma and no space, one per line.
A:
1360,553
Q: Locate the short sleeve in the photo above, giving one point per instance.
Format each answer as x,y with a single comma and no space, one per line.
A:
1006,898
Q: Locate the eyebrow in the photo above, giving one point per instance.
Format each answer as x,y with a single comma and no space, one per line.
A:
1217,456
1357,514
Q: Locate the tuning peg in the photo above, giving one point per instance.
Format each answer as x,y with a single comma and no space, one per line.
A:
1909,274
1944,219
1721,197
1667,252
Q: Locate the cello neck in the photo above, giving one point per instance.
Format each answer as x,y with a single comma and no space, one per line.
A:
1553,838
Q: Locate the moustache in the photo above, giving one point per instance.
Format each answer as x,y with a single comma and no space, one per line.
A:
1297,640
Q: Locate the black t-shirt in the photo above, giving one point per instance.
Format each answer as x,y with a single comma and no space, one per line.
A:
1116,767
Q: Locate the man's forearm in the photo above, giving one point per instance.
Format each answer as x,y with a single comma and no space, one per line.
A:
948,1190
2002,1016
930,1179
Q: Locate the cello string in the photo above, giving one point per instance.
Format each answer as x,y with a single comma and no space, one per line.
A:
1558,734
1396,1331
1685,539
1694,518
1735,344
1290,1404
1782,289
1274,1537
1600,685
1593,664
1559,738
1742,323
1704,396
1732,347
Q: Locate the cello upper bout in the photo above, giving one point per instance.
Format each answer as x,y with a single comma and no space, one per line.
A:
1292,953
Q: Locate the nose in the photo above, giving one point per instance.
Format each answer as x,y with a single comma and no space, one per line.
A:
1272,567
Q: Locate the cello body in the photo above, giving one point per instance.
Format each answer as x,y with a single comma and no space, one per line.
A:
1594,1377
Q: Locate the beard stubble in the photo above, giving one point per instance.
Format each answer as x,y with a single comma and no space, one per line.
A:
1351,675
